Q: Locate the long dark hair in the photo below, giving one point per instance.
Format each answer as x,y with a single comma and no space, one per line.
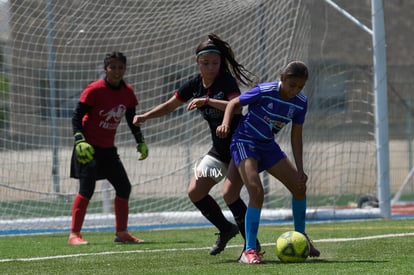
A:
215,44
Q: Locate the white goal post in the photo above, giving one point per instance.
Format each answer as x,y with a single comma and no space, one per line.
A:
380,96
52,49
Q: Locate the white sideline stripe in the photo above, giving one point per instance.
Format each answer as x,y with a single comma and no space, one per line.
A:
364,238
193,249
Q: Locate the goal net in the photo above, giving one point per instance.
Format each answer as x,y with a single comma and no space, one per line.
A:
51,49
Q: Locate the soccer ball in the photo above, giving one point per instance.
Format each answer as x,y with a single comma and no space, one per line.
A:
292,247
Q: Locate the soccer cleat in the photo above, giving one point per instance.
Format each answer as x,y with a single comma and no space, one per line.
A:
222,240
76,239
313,252
126,237
251,256
258,246
258,249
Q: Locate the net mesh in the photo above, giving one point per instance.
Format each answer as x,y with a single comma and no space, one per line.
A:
52,49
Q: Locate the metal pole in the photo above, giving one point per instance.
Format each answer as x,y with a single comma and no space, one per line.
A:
380,97
409,137
52,95
349,16
261,29
381,108
106,197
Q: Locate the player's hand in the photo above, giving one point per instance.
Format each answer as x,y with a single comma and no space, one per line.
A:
138,119
84,151
301,183
197,103
142,148
303,177
222,131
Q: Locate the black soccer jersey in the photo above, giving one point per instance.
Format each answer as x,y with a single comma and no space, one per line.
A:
223,88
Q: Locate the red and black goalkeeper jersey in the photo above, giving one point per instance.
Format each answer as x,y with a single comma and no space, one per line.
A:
108,106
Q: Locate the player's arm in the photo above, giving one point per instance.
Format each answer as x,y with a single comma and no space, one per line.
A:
224,129
158,111
83,150
297,148
135,130
212,102
142,147
78,114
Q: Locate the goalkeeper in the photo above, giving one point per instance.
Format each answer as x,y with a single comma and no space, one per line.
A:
95,120
209,92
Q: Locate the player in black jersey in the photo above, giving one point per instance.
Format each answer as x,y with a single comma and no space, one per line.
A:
209,92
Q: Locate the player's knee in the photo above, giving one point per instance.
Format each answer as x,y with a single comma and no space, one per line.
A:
124,192
299,192
256,196
86,194
86,191
195,194
192,195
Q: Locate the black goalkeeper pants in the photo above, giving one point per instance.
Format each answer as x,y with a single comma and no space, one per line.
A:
105,165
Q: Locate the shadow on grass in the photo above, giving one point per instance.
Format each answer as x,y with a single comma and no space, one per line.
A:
313,261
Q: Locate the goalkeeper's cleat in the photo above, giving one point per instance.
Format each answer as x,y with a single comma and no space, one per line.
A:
76,239
126,237
251,256
222,240
313,252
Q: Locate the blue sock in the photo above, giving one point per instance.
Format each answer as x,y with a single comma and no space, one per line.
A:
299,214
252,226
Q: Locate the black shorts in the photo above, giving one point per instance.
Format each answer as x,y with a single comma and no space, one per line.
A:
105,165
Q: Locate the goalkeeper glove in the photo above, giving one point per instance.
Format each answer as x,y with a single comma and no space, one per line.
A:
84,151
143,149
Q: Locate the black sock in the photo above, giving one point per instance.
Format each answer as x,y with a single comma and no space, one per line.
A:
239,208
212,211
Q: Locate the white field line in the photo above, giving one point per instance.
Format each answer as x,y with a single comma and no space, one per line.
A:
364,238
192,249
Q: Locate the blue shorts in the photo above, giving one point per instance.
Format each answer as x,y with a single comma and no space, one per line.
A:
267,154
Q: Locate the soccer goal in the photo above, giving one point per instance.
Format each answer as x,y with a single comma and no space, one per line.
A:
52,49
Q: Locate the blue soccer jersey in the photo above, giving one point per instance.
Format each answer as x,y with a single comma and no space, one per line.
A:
268,113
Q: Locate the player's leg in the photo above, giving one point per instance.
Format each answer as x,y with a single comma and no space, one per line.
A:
208,173
249,174
80,204
285,172
117,176
231,195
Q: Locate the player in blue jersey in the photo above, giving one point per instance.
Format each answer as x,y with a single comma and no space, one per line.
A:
209,92
271,106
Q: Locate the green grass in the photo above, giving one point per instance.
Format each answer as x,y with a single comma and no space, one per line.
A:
185,251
